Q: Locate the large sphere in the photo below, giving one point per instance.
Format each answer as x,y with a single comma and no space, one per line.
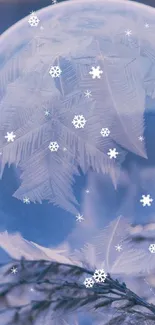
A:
104,47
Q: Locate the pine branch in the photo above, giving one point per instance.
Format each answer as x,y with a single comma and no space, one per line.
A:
60,288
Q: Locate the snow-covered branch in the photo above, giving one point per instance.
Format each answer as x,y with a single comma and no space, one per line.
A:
59,289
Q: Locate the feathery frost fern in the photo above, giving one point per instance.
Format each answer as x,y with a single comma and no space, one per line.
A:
118,98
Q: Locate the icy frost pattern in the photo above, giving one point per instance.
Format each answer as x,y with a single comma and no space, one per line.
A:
27,90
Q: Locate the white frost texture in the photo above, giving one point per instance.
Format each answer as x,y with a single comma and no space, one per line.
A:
75,36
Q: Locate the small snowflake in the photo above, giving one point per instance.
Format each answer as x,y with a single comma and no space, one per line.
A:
105,132
87,191
89,282
31,289
147,25
47,113
87,93
128,32
64,149
54,2
14,270
10,136
96,72
146,200
118,248
53,146
33,20
79,121
26,200
99,275
112,153
79,218
141,138
55,71
152,248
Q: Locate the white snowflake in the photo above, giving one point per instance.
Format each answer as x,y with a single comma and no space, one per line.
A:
152,248
47,113
96,72
147,25
118,247
87,191
33,20
146,200
31,289
53,146
99,275
54,2
105,132
112,153
128,32
79,218
26,200
141,138
10,136
89,282
55,71
14,270
79,121
87,93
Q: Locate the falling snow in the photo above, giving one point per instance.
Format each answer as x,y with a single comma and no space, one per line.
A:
112,153
26,200
55,71
96,72
88,93
146,200
89,282
33,20
47,113
147,25
14,270
79,121
152,248
118,247
105,132
79,218
141,138
99,275
10,137
53,146
128,32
